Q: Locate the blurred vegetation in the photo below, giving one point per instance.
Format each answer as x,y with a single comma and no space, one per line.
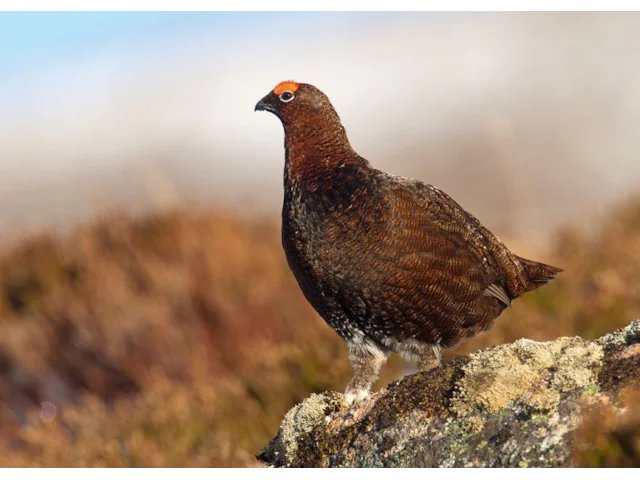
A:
181,338
610,434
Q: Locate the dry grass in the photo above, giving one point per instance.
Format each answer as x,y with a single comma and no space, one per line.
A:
180,339
171,339
609,435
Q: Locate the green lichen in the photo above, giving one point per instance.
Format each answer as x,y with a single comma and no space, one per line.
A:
591,390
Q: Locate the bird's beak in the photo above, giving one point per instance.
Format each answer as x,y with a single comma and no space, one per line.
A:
264,104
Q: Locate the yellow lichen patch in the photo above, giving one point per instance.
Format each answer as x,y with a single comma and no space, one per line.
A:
526,370
575,366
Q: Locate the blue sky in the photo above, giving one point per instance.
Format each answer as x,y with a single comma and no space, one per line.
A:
38,49
35,40
28,38
36,36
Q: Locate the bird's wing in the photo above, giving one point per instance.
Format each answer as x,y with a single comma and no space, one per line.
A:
472,242
427,224
498,291
434,261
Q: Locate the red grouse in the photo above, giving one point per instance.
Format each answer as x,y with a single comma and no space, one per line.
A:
390,263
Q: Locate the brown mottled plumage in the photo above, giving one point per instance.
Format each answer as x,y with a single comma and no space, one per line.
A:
392,264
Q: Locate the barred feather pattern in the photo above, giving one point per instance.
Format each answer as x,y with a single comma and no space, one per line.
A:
385,260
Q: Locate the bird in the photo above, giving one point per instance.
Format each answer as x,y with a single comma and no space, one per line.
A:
392,264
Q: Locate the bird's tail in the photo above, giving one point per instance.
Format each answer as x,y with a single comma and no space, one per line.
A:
538,273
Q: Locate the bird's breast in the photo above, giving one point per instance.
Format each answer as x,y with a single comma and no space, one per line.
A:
325,227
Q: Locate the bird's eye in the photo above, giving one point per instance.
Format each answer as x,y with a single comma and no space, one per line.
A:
286,96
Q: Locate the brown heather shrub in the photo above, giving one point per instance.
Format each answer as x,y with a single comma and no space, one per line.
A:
609,435
139,330
181,338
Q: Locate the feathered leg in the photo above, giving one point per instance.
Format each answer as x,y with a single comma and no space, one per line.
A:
366,366
429,357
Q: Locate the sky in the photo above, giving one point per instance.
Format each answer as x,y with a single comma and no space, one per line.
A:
53,36
32,41
524,118
29,39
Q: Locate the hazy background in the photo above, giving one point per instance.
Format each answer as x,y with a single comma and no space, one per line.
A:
527,119
147,314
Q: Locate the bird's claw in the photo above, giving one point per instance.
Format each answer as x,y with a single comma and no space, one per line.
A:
352,397
360,403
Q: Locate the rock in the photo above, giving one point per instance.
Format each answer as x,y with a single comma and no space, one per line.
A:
514,405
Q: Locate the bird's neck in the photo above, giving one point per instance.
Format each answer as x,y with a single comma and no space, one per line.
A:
313,151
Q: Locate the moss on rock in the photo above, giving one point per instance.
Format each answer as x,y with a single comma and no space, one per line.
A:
512,405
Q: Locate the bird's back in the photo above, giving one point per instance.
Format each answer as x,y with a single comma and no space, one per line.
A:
398,260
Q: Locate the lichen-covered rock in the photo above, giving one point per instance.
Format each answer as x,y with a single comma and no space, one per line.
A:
511,405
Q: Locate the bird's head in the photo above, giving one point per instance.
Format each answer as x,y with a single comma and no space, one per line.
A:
300,103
